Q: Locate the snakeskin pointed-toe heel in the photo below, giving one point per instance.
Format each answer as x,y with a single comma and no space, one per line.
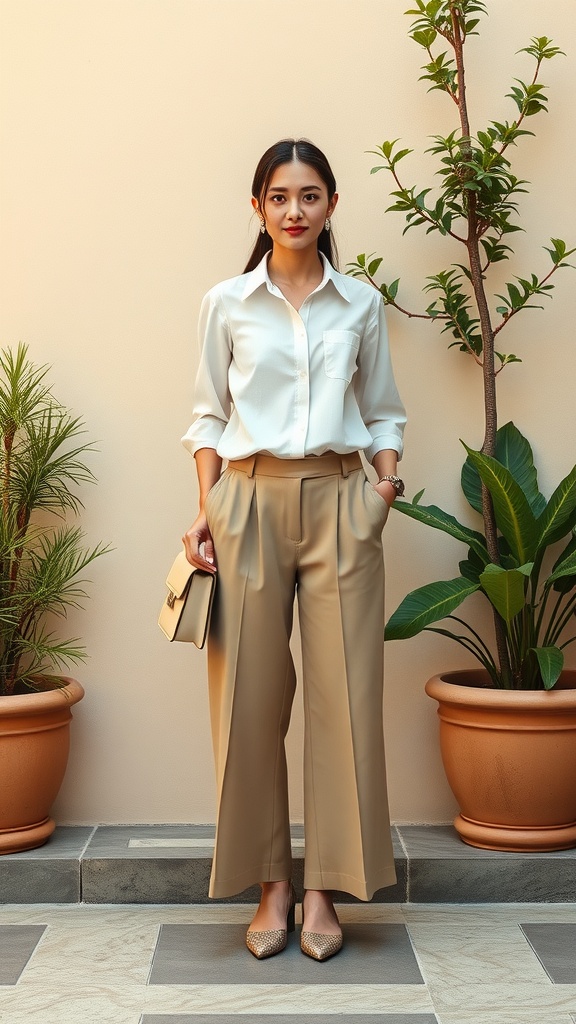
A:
268,943
319,946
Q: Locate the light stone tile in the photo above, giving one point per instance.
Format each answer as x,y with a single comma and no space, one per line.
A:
479,915
499,998
369,913
169,844
68,1005
101,915
110,954
464,1016
463,954
304,999
201,844
291,1018
98,915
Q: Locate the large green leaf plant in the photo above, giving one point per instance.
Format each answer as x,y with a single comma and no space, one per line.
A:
476,206
41,564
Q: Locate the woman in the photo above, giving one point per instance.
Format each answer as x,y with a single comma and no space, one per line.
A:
295,378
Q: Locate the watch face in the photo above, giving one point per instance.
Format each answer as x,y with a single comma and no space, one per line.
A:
400,488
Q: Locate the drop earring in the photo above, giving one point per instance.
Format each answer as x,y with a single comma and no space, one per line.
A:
327,223
262,227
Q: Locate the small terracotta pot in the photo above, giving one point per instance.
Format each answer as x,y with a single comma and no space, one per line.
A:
34,745
510,760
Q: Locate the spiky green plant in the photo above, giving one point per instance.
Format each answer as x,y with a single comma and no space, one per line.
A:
41,562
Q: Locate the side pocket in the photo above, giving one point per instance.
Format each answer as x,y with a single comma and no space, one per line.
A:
340,354
378,502
213,492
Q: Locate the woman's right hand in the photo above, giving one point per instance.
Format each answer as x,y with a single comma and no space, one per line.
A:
194,538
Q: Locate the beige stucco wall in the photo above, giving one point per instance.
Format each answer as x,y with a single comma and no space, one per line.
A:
130,129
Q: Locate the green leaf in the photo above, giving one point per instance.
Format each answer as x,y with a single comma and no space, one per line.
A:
514,517
514,452
505,589
427,604
559,517
550,662
559,252
564,569
472,567
435,517
425,37
541,48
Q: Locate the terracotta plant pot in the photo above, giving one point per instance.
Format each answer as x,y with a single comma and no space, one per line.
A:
510,760
34,745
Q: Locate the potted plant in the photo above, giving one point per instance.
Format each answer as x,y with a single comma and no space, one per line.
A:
507,729
41,462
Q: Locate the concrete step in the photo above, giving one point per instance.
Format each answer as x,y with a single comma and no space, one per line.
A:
171,864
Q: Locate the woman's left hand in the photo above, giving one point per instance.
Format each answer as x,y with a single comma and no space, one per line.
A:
387,491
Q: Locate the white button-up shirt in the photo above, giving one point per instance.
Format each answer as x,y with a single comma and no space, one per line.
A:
294,383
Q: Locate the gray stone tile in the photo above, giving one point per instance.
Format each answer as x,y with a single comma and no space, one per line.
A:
145,880
67,842
511,879
112,842
17,944
374,954
443,869
115,872
49,874
40,881
324,1018
555,947
442,842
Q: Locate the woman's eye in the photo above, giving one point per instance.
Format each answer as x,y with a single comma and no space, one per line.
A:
311,197
276,199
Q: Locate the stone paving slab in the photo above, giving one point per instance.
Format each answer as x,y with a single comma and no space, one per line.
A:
196,954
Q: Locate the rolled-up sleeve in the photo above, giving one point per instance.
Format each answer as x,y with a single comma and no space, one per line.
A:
212,401
376,393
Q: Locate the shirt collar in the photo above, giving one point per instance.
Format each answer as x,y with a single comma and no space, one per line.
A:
259,276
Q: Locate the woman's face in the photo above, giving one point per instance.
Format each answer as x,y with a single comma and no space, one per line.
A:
295,206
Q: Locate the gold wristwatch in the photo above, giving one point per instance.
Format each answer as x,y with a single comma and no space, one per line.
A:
396,482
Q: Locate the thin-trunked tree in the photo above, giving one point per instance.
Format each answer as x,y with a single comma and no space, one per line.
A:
476,206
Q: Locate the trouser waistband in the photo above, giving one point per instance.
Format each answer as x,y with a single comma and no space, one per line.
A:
330,464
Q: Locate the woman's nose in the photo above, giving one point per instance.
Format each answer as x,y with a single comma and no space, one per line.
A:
294,211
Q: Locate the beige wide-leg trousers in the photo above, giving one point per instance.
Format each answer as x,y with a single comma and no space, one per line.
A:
310,527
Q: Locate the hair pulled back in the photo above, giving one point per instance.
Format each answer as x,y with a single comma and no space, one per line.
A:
284,152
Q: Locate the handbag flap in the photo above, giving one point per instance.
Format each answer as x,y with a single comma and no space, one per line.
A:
179,575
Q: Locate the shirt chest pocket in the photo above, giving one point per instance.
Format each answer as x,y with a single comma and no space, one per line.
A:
340,354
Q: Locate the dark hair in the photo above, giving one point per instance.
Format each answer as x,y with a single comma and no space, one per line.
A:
284,152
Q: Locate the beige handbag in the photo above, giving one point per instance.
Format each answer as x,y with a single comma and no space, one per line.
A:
185,614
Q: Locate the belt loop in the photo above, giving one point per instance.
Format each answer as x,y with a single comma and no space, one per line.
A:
344,465
250,464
